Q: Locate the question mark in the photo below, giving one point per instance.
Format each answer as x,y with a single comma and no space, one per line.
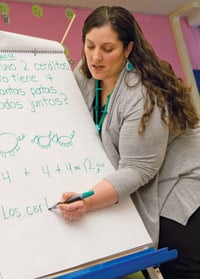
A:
65,98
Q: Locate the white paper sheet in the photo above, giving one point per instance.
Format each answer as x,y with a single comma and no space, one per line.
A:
48,145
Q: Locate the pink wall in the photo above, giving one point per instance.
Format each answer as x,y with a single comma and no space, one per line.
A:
54,22
157,30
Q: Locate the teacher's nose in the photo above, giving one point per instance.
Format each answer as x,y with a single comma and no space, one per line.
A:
97,55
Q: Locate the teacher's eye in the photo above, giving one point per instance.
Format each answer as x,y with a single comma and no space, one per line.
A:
90,47
108,49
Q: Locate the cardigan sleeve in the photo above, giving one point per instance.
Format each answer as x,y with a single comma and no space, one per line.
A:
140,156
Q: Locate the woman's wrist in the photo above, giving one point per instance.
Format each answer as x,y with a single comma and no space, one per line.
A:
104,195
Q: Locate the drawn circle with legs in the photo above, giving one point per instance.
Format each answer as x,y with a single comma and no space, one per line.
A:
9,144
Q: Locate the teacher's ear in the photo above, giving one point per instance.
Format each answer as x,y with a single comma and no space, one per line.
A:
129,49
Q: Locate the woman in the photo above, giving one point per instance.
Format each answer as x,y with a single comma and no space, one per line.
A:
149,130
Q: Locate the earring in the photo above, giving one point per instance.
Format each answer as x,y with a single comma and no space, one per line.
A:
129,66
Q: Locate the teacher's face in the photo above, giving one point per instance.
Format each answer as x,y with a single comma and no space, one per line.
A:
104,53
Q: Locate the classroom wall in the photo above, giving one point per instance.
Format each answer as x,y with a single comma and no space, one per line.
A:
51,23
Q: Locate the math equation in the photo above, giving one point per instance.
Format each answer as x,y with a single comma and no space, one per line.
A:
87,166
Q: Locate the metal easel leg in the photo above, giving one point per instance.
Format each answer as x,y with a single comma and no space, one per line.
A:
154,273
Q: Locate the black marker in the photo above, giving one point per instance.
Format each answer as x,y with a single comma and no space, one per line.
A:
75,198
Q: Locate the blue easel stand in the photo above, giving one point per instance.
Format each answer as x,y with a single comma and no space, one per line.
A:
124,266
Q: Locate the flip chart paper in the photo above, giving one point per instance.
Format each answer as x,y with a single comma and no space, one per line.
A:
48,145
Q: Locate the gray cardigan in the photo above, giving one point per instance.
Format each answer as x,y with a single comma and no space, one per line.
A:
149,166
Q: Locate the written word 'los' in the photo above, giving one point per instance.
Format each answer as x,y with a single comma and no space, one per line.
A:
36,208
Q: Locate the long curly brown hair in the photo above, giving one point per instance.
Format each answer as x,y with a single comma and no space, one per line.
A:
163,87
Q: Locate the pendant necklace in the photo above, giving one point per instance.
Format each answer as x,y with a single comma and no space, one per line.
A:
100,115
